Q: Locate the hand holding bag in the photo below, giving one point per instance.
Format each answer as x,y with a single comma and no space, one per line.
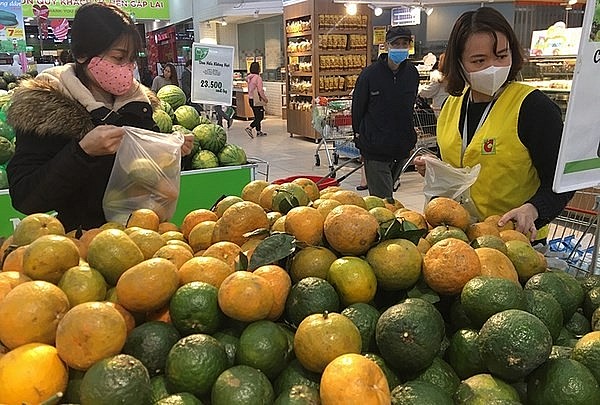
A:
145,175
445,180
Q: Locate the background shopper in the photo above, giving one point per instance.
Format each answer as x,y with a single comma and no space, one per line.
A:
68,120
255,86
168,76
435,89
382,113
511,129
186,81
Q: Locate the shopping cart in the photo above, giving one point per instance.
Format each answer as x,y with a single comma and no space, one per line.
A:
425,123
574,234
333,120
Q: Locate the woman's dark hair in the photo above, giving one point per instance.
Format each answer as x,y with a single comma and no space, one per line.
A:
486,20
255,68
173,77
66,57
96,27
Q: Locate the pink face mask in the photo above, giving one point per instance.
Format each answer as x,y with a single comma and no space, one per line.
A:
115,79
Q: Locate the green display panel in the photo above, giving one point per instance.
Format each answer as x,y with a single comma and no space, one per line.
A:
199,189
8,215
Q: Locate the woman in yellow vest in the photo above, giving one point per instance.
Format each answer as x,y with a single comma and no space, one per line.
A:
511,129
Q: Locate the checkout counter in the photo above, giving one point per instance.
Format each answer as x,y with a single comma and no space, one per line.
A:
243,111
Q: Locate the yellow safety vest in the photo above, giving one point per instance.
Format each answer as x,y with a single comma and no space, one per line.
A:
508,177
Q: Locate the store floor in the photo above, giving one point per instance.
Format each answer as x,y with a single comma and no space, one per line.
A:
292,156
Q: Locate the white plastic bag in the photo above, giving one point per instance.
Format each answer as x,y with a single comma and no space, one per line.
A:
445,180
145,175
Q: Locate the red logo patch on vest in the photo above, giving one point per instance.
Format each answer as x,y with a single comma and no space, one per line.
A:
488,147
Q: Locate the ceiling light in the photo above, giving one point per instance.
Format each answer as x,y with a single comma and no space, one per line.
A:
571,2
223,22
376,10
351,8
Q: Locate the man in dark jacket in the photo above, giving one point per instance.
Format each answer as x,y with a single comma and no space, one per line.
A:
382,113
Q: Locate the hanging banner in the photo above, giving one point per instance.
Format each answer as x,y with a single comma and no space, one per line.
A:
145,9
579,156
12,29
212,74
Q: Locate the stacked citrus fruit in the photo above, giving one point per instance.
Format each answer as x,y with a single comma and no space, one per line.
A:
291,294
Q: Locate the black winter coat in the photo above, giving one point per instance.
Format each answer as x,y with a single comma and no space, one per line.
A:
382,110
49,170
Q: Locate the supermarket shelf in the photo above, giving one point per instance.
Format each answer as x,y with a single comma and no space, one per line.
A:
334,93
308,53
341,51
338,72
334,30
299,34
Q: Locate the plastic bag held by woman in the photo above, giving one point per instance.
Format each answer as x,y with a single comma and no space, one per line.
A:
145,175
445,180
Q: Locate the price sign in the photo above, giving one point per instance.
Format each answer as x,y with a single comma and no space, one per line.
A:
578,163
212,74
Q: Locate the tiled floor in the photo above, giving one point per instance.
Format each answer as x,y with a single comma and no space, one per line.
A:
292,156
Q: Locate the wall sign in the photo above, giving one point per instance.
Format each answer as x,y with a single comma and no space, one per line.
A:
556,40
379,35
140,9
405,15
12,30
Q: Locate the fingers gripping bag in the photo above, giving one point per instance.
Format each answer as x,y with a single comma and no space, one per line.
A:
445,180
145,175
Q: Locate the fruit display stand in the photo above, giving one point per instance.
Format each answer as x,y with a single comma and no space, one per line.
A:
199,189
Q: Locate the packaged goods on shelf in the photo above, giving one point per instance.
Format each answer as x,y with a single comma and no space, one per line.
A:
293,27
304,45
341,21
337,62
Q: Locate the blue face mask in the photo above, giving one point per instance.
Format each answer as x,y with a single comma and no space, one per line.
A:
398,55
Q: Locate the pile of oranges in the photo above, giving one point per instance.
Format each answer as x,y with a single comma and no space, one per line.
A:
70,300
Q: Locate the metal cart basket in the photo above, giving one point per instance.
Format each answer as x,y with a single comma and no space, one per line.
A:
574,234
333,121
425,123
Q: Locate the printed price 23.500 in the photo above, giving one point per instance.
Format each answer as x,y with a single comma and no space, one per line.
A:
211,84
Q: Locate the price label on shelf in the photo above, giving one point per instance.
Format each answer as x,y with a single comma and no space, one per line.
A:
212,74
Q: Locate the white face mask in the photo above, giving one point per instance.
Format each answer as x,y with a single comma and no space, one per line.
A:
489,80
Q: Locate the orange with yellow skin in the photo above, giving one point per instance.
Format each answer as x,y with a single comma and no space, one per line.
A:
350,377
